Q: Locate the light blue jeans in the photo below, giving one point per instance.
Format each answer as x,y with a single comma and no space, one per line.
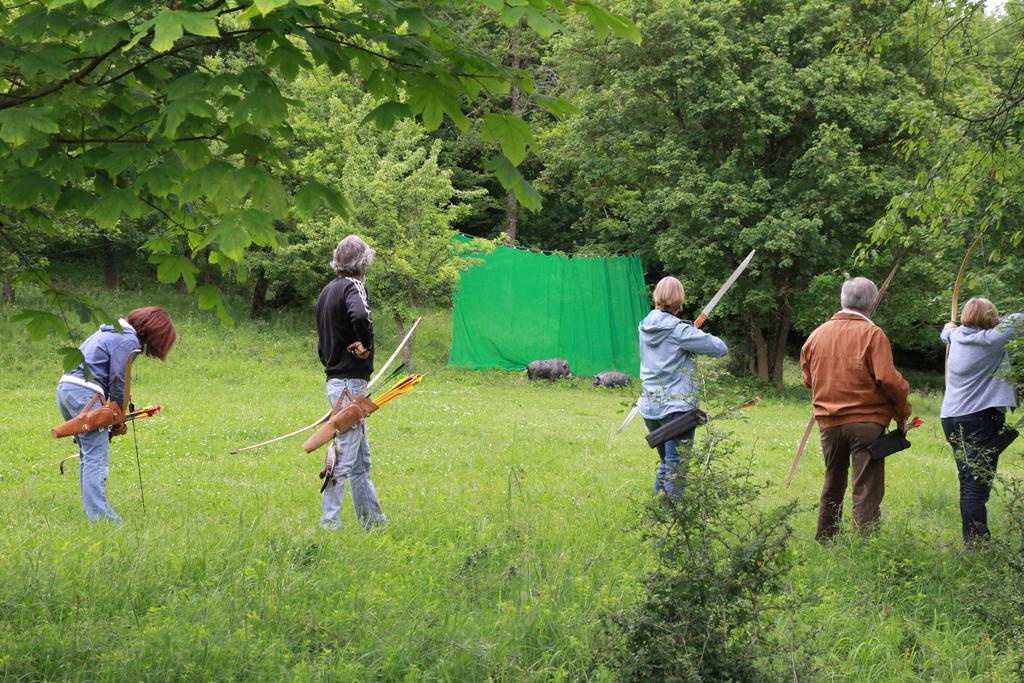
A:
353,465
94,448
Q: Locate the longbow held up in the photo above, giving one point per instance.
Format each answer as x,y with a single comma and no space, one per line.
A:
700,321
810,423
954,309
323,418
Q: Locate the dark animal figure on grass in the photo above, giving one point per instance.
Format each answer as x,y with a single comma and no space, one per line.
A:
612,378
553,368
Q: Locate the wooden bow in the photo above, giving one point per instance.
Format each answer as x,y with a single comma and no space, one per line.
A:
954,307
126,403
129,407
954,304
323,418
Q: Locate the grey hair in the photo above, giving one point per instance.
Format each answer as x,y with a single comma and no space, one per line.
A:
859,294
352,256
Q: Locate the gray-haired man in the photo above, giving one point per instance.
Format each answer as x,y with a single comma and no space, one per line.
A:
856,390
345,330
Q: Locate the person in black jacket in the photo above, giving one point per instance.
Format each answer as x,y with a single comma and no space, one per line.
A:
344,326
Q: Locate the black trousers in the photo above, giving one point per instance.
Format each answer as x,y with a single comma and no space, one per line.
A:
976,443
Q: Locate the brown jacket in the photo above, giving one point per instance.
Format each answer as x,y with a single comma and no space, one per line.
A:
847,363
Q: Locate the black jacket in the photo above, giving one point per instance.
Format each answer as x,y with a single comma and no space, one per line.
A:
343,317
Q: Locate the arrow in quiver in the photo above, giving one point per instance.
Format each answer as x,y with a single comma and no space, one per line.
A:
347,415
343,418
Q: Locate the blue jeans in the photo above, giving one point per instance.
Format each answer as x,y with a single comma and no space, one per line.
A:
353,465
94,448
976,461
675,458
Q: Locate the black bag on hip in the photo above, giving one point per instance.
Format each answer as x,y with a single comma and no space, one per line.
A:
887,444
1000,442
676,427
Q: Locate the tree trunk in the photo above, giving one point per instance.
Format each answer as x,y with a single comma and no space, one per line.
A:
8,292
780,336
759,358
259,293
768,359
512,204
407,349
110,269
512,217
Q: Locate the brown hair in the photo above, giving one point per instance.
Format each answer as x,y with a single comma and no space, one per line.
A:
981,313
669,295
155,329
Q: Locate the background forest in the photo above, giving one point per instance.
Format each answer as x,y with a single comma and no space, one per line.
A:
836,137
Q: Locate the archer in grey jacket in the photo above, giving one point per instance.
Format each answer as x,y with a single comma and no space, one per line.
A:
977,358
667,348
974,407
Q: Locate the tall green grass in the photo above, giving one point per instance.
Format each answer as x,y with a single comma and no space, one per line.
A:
513,506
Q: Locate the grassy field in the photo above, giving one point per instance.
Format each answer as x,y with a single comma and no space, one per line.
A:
512,511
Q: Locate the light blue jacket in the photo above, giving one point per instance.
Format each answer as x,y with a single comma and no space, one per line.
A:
106,353
976,359
667,348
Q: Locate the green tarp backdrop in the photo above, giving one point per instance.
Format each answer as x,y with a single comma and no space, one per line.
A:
518,306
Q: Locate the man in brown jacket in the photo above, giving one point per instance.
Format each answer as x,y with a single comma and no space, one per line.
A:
856,390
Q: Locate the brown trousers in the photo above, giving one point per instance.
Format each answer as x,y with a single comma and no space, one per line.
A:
838,444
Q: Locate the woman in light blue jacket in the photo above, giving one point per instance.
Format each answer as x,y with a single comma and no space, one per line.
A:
667,349
975,404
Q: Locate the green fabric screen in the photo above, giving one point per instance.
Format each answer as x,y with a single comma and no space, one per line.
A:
518,306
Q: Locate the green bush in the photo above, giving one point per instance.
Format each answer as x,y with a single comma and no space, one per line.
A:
995,588
721,560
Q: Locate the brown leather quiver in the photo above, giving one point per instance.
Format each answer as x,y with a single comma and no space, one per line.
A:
107,415
342,419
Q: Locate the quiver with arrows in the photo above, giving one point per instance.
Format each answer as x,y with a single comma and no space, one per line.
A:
106,415
889,443
676,427
893,442
343,418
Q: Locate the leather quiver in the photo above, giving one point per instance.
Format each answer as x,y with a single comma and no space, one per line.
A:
1000,442
106,415
889,443
676,427
342,419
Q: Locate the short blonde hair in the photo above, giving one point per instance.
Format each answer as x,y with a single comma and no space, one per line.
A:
981,313
669,295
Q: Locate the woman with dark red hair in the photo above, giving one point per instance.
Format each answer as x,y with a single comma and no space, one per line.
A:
108,353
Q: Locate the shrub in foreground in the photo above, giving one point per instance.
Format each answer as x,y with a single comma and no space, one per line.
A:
995,592
721,560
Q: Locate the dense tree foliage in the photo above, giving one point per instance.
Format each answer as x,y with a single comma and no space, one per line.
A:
114,109
733,126
399,198
964,202
228,143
